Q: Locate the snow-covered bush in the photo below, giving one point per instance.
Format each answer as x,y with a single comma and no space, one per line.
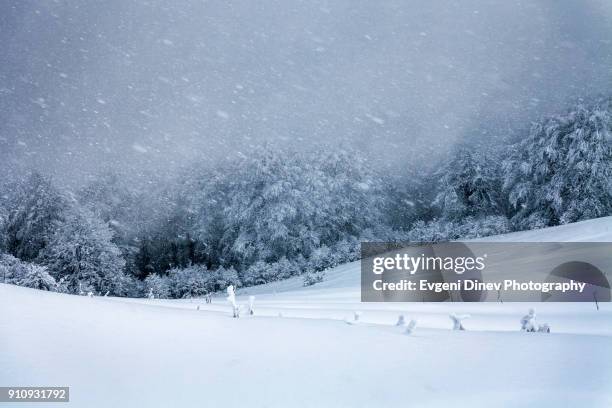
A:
17,272
470,227
256,274
37,277
62,286
432,231
312,278
158,286
484,226
224,277
321,258
262,272
11,269
192,281
348,250
283,269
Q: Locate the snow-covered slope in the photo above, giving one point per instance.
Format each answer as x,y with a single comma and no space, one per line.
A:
348,276
298,351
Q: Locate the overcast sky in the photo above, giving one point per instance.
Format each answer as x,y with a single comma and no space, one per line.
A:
136,85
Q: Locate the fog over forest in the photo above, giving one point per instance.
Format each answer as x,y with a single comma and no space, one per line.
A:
148,86
172,149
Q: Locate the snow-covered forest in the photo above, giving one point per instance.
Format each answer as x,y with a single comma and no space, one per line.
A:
272,213
175,149
185,188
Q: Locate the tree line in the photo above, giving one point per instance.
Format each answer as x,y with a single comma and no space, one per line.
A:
273,213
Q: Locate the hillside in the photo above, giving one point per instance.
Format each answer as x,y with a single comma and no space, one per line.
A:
298,351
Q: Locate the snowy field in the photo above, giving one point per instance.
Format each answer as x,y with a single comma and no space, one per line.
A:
299,351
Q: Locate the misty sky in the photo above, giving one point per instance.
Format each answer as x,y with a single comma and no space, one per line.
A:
131,85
